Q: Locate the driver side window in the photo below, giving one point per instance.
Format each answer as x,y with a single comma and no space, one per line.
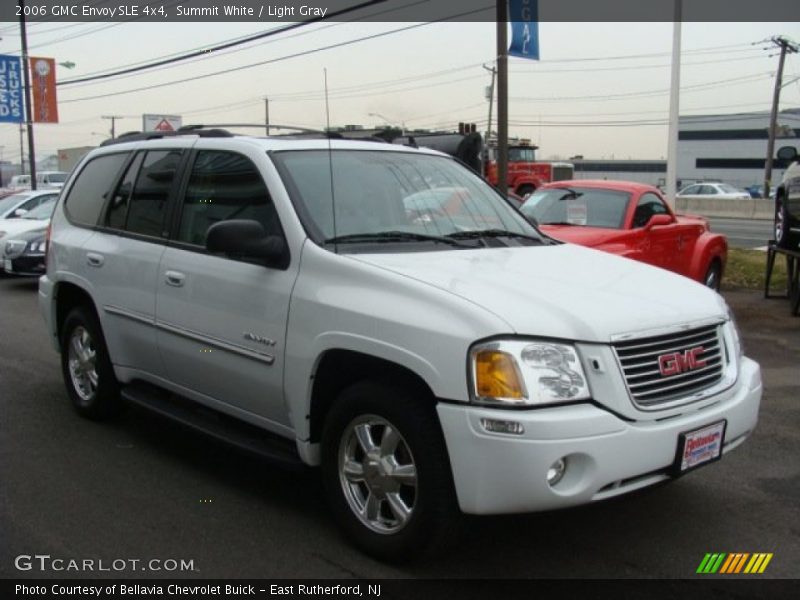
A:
224,185
649,204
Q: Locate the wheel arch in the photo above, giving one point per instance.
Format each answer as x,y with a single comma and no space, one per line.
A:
68,295
338,368
709,248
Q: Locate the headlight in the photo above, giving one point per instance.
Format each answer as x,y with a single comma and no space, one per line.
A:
733,331
37,246
526,373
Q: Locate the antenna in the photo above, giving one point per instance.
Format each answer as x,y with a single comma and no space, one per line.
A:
330,157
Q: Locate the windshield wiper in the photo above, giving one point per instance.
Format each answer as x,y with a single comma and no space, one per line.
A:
393,236
559,223
491,233
570,195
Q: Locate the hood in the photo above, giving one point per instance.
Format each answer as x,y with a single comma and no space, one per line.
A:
11,227
561,291
582,235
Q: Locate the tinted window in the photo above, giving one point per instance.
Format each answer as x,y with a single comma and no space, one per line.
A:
90,190
148,204
118,208
224,186
648,205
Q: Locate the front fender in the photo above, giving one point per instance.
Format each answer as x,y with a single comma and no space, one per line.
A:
709,246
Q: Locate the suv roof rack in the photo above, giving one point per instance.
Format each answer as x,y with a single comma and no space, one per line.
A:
135,136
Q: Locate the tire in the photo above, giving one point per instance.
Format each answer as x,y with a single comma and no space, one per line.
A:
713,276
91,384
525,189
396,501
781,224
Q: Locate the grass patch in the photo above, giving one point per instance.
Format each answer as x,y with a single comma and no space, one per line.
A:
748,268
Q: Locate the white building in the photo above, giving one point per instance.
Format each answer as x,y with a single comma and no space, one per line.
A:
732,148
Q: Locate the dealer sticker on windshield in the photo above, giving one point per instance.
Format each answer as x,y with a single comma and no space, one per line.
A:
701,446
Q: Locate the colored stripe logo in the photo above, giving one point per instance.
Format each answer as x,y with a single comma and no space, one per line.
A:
734,563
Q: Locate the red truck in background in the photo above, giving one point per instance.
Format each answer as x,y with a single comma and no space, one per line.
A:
525,173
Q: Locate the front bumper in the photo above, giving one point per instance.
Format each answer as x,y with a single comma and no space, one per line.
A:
606,456
27,265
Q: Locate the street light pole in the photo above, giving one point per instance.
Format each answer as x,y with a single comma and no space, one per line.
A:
27,85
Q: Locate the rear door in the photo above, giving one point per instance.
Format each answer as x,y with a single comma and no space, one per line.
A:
121,258
222,321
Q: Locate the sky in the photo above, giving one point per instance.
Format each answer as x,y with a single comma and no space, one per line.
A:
600,89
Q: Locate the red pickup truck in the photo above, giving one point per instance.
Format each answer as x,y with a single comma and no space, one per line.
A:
632,220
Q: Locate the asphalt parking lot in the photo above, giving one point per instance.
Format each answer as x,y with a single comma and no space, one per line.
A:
141,488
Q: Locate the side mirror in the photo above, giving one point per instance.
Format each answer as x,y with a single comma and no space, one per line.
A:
20,212
246,238
787,153
657,220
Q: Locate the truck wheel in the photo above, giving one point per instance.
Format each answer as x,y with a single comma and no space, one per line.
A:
781,223
713,276
524,190
386,472
86,367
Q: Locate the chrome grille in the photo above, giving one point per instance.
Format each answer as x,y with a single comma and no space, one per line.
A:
642,360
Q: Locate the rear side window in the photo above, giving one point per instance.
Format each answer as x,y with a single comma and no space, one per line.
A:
90,190
139,204
223,186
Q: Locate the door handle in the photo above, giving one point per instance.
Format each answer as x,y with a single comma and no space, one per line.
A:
95,260
174,278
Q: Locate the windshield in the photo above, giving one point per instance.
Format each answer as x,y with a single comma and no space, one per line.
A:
521,154
418,198
10,202
43,211
578,206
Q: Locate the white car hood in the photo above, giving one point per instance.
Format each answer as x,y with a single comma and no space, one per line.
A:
561,291
11,227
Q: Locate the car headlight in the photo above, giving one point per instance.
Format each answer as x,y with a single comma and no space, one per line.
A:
37,246
733,331
526,373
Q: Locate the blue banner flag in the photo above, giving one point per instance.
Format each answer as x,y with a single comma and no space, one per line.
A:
11,89
524,17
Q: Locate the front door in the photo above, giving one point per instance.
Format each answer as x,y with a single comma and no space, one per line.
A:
221,321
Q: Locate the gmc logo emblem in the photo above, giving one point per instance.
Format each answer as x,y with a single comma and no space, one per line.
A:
679,362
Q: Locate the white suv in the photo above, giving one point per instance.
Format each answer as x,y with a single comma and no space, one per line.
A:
432,359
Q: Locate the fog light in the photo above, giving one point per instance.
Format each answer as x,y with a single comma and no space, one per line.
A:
556,471
495,426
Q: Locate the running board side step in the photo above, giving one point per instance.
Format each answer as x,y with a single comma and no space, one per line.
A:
278,450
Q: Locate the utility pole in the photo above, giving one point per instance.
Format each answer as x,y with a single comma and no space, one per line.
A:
26,78
502,97
266,113
786,46
113,119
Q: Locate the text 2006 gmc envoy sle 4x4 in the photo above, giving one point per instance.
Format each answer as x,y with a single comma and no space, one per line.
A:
381,312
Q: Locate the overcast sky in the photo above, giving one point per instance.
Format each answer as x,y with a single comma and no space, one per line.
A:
600,90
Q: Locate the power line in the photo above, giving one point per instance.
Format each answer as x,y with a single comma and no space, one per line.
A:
270,61
223,46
